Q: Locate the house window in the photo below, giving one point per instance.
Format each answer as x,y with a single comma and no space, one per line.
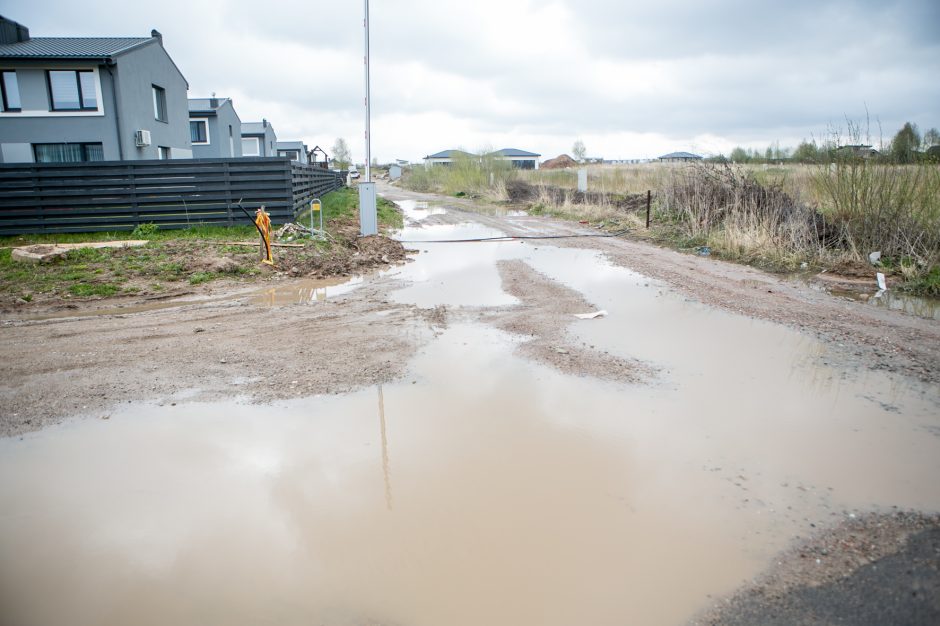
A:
159,103
72,90
163,152
10,91
67,152
293,155
251,146
199,131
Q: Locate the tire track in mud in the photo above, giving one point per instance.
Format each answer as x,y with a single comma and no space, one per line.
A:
546,311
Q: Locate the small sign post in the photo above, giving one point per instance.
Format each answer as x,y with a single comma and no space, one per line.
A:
315,208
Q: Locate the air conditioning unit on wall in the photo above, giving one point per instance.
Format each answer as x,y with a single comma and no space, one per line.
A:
142,138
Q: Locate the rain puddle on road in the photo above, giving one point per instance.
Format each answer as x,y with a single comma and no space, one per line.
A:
928,308
418,211
306,291
481,489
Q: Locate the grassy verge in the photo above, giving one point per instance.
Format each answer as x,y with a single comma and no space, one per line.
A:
343,206
468,176
172,260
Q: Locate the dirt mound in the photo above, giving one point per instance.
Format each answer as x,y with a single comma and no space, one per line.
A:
352,255
560,162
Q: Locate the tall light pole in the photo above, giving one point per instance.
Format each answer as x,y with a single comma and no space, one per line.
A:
368,220
365,24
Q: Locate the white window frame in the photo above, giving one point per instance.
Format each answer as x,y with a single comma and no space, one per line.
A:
257,151
204,121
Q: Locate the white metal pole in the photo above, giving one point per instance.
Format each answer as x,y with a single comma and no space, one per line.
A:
368,102
368,218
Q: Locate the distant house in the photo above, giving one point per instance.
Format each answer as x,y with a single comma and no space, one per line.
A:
519,158
258,139
446,157
72,99
294,150
679,157
215,129
858,151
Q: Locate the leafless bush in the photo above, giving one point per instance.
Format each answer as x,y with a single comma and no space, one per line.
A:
708,200
894,209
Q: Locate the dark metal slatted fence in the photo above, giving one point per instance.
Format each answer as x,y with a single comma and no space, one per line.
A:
119,195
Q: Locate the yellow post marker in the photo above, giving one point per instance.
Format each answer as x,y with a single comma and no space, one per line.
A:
316,209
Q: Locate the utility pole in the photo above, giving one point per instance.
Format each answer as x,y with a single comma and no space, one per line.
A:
368,219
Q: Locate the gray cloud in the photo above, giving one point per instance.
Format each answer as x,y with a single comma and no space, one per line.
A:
462,73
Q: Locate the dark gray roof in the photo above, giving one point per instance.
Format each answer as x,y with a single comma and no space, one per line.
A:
71,47
447,154
505,152
513,152
680,155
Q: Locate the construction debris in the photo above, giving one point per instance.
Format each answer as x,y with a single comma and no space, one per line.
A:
48,252
292,231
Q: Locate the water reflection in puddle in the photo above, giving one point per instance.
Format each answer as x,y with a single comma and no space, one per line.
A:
415,211
306,291
928,308
507,490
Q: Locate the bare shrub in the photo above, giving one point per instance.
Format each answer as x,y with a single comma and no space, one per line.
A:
726,204
894,209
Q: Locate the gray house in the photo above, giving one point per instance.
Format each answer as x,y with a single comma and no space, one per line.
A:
70,99
215,129
259,139
295,150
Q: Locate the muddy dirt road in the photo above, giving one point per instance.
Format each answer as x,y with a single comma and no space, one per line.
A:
446,442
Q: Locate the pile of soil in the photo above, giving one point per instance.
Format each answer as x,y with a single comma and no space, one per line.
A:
351,255
560,162
521,192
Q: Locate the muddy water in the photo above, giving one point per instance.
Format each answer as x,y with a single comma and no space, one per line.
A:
928,308
482,488
306,291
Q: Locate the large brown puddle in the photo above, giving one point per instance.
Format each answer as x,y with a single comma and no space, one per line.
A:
482,488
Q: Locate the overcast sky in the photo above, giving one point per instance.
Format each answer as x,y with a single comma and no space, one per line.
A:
631,79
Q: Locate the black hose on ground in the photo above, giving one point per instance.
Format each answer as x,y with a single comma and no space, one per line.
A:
513,237
250,219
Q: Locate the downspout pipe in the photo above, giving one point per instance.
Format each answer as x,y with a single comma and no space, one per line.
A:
109,64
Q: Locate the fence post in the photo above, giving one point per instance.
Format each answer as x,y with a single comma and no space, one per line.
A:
649,199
